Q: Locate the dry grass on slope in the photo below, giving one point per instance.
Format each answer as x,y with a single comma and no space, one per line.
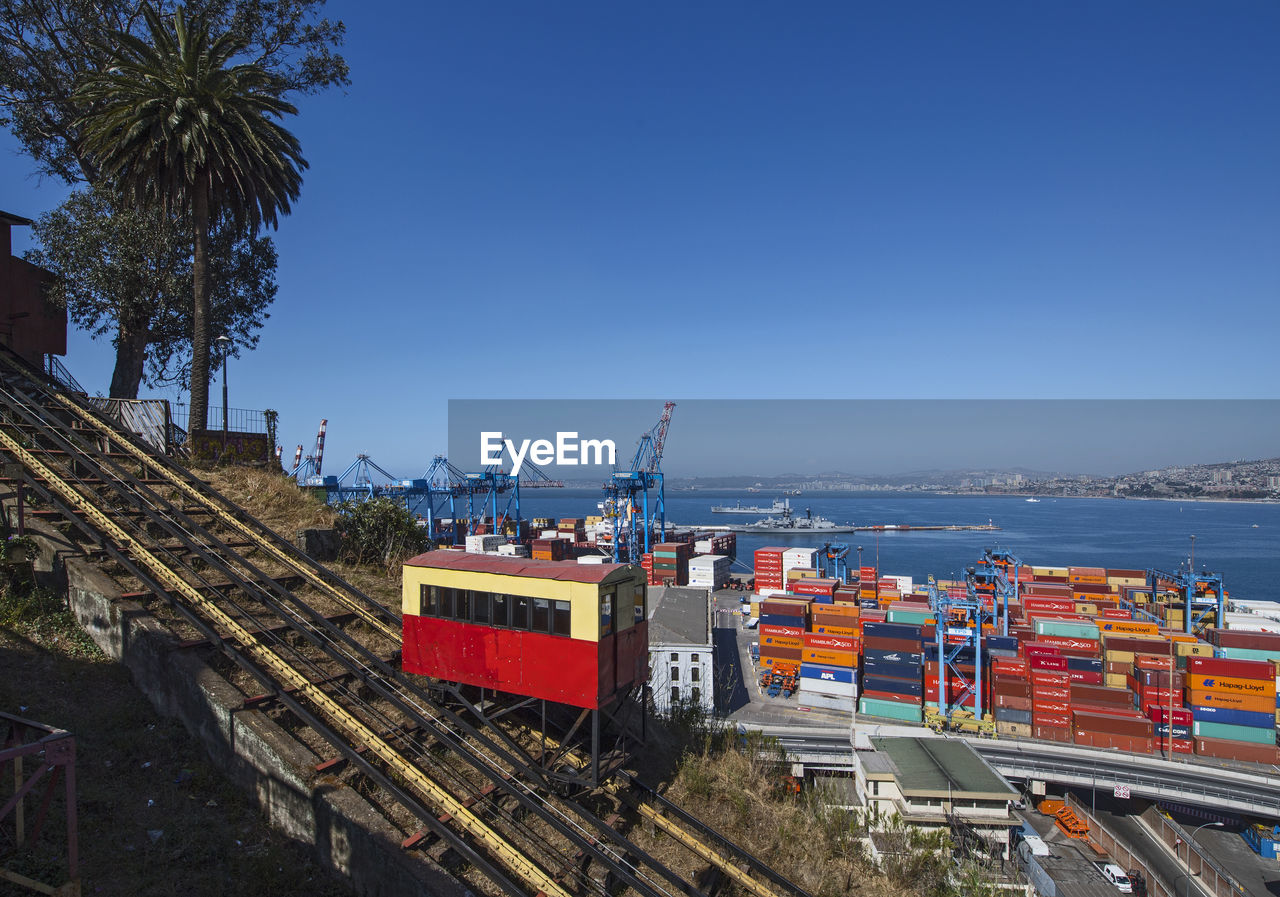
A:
271,497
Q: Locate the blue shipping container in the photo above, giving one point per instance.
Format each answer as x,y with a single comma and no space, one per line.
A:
1009,715
826,674
1233,717
781,620
876,655
892,685
891,630
894,670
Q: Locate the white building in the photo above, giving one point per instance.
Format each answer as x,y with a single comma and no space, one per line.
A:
680,648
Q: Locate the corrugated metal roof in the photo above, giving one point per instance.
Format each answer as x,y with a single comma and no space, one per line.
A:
486,563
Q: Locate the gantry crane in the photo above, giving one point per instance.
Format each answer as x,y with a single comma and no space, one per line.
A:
627,495
1193,587
962,613
307,470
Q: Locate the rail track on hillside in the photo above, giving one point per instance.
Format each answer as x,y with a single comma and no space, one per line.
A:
322,656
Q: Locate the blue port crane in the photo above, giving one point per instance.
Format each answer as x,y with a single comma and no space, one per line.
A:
628,492
833,561
994,571
961,614
1194,588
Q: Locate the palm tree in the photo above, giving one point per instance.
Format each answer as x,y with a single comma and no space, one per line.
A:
173,124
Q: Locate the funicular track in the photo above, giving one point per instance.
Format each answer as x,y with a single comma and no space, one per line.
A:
224,572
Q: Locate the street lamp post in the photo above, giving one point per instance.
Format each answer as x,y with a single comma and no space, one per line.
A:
1192,840
224,344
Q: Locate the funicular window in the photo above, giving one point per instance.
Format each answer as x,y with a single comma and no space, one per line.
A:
461,604
607,613
561,618
446,603
480,607
429,596
520,612
501,608
541,615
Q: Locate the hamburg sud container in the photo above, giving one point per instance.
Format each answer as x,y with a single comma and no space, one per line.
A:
768,568
783,622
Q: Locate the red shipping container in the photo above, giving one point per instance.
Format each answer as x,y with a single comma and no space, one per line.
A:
1052,733
1032,649
1031,603
1088,647
1085,677
1041,708
1013,701
1181,716
1236,750
1091,694
1044,693
1179,745
1114,723
1046,662
1057,720
1233,669
769,629
1049,678
1134,744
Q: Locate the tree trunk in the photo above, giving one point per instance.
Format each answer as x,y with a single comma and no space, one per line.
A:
200,308
132,339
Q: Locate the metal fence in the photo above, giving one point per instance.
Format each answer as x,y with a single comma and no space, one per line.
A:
239,420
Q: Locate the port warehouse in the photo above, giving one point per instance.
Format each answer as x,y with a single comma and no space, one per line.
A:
1075,667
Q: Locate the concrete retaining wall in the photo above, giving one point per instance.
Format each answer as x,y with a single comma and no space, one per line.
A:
345,830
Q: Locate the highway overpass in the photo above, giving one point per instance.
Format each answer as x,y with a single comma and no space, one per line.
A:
1247,789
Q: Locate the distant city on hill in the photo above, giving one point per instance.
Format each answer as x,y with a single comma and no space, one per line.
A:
1226,480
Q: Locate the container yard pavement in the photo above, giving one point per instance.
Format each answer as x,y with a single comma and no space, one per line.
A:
740,695
1259,877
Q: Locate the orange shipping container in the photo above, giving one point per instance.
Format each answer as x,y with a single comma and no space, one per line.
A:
781,641
1128,627
1231,685
1252,703
846,631
837,610
830,658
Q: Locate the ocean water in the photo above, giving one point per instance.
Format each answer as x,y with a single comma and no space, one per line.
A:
1239,540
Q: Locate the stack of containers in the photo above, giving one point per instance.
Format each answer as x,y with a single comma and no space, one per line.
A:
867,584
829,656
671,562
1233,704
646,564
798,558
572,528
768,570
514,551
1011,695
954,684
783,622
892,668
550,549
1050,692
1244,644
483,544
717,543
709,571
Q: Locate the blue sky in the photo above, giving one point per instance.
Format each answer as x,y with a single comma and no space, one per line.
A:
924,200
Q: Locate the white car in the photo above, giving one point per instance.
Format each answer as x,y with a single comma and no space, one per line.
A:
1114,874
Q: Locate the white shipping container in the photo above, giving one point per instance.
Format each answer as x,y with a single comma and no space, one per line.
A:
513,551
709,562
825,687
800,557
485,543
549,534
826,702
702,546
592,559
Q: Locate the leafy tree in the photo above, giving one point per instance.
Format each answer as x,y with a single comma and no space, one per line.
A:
127,272
48,46
172,124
